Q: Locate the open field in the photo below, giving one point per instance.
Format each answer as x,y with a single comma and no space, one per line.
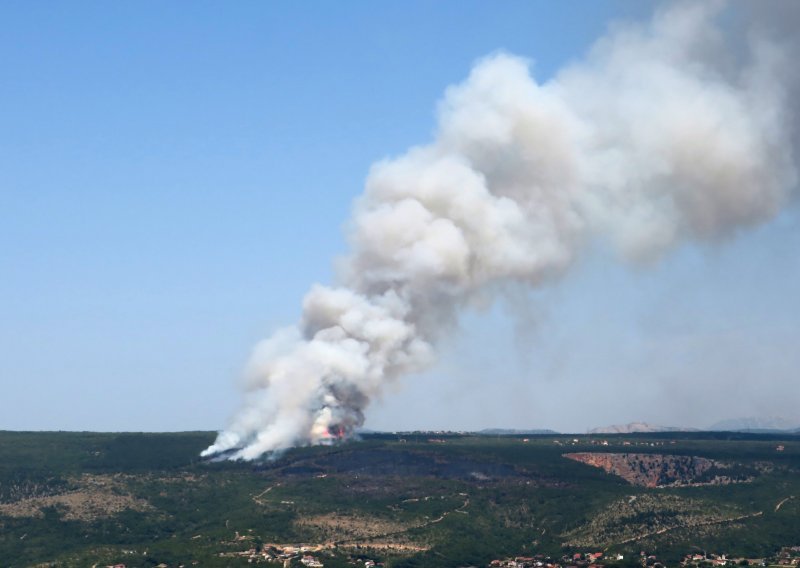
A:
409,500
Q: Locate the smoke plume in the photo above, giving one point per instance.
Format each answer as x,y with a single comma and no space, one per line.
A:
666,132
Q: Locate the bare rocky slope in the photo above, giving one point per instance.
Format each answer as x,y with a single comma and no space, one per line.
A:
658,470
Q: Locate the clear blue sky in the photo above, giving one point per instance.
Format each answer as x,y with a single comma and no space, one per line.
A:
173,177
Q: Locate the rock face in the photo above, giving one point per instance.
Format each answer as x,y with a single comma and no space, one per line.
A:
648,470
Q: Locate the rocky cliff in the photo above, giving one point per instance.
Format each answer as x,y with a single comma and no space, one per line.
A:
649,470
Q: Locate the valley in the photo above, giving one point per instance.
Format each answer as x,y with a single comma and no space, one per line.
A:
411,499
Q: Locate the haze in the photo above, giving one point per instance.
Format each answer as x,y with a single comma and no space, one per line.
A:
172,182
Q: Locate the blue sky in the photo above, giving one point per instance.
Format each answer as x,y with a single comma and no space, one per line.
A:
174,176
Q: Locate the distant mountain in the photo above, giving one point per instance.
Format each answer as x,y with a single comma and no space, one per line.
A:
755,423
512,432
635,427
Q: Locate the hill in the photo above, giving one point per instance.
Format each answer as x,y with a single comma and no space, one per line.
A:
79,499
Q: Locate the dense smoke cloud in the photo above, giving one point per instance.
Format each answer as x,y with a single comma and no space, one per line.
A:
666,132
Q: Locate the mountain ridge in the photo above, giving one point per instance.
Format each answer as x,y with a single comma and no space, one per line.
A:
637,427
756,424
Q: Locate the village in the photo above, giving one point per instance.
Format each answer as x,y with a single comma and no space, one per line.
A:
787,556
295,555
301,555
304,556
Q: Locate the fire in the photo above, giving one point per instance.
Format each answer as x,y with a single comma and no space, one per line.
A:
334,432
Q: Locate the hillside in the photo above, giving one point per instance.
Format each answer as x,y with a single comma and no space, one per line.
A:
665,470
76,499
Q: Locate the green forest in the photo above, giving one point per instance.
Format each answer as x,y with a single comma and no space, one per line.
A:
415,499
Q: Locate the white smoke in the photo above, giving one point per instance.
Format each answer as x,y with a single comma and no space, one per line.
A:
665,132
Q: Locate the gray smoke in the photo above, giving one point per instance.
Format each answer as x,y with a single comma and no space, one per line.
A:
666,132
